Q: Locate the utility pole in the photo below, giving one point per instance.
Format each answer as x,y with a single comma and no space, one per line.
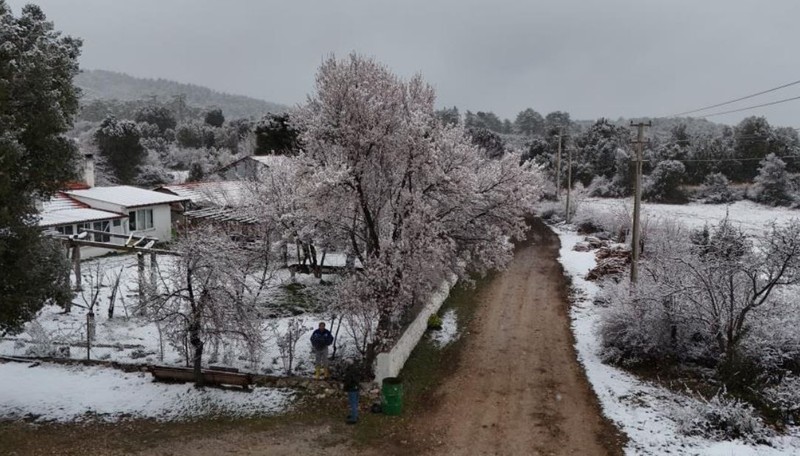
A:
637,199
558,164
569,180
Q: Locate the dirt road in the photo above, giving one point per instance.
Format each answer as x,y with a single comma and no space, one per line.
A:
518,389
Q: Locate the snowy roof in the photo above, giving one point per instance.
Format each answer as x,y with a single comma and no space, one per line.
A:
223,193
269,160
61,209
266,160
71,216
222,215
127,196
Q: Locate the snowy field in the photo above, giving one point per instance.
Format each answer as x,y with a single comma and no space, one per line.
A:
132,339
643,410
60,393
749,216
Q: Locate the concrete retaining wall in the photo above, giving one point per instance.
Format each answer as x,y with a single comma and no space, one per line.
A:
390,364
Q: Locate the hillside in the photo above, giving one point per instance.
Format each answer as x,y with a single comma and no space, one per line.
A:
109,85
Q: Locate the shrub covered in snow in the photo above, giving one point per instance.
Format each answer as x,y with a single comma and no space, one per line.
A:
723,299
772,185
716,189
785,397
664,183
721,418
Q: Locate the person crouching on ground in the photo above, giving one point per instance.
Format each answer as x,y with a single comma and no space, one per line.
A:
351,384
321,339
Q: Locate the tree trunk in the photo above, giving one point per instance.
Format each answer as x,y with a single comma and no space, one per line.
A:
197,345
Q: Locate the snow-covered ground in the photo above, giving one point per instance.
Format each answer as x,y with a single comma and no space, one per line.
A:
127,338
449,331
750,216
641,409
74,393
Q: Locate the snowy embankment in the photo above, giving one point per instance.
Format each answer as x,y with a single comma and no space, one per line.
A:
73,393
642,410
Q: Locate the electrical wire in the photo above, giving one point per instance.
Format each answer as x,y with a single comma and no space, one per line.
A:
706,108
751,107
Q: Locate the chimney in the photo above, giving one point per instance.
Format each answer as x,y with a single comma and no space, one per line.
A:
88,170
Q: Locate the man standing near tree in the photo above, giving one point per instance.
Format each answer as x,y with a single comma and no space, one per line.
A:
321,339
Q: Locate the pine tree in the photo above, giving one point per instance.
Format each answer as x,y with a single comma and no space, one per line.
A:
118,142
529,123
38,102
215,118
772,183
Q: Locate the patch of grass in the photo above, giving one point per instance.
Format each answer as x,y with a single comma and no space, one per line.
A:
426,369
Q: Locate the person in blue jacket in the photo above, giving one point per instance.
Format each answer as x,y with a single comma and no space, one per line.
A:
321,339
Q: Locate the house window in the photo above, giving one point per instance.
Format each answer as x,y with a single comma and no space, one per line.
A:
102,226
141,219
66,229
117,222
83,226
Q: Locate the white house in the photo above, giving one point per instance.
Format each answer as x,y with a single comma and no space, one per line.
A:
66,215
121,210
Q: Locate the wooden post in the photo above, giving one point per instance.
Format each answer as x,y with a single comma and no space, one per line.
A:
558,165
142,285
637,200
153,276
76,266
569,181
90,329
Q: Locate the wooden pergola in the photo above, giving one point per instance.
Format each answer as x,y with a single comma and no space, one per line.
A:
141,245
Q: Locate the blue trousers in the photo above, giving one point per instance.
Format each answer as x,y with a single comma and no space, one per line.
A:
352,400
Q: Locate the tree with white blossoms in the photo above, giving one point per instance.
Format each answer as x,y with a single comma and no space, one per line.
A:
414,200
211,292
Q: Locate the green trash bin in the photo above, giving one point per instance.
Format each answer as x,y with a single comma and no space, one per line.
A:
392,396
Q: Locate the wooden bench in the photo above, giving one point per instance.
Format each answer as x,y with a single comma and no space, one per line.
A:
210,377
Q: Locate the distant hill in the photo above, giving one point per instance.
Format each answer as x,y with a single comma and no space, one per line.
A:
109,85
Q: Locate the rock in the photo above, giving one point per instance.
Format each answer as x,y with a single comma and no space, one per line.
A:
594,242
581,247
603,236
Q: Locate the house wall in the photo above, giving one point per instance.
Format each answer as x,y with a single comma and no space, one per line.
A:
162,222
92,252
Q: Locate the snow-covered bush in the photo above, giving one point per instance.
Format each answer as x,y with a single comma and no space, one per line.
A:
785,397
772,185
664,183
42,345
714,301
721,418
716,189
287,338
616,222
602,187
773,341
635,328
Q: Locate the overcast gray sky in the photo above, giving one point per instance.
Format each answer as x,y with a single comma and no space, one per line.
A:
607,58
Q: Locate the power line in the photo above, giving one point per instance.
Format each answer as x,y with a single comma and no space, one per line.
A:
696,160
706,108
751,107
